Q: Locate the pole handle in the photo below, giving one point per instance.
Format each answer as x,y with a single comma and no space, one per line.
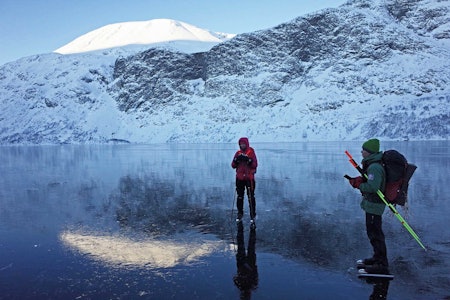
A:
352,161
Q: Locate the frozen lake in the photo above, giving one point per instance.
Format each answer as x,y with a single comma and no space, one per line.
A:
156,222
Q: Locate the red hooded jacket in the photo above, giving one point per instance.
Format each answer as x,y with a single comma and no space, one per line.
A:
244,170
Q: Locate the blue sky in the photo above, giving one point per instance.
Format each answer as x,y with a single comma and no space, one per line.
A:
29,27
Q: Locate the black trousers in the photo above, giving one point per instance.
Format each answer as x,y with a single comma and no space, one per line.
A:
241,186
376,237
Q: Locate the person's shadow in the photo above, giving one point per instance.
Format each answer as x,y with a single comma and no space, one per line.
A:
246,278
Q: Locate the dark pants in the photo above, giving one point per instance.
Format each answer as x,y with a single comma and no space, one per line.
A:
241,186
376,237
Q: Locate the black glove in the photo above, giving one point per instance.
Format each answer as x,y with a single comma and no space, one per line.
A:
242,157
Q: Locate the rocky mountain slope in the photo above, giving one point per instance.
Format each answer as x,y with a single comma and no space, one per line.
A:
365,69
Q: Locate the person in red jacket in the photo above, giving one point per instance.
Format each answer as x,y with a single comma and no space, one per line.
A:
245,163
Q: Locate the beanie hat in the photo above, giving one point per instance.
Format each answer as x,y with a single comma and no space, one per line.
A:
372,146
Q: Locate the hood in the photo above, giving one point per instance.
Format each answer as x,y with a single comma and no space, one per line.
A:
244,140
375,157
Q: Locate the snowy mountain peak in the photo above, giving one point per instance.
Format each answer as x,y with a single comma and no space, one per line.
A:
140,33
370,68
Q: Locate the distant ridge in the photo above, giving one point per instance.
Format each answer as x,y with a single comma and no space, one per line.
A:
140,33
370,68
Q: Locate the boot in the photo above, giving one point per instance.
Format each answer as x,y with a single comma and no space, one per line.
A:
239,217
377,269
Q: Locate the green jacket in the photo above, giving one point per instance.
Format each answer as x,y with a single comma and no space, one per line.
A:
371,202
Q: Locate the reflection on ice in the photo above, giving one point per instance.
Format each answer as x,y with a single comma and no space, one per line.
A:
246,278
124,252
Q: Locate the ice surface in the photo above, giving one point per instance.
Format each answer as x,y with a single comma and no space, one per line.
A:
74,219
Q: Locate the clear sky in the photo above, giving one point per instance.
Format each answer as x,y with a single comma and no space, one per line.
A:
29,27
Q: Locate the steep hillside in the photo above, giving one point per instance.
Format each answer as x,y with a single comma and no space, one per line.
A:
368,68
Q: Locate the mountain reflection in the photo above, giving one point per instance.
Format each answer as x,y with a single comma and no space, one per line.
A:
125,252
158,207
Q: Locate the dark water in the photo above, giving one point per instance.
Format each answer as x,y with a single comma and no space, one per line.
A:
156,222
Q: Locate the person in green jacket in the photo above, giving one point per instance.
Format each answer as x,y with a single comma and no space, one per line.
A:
373,205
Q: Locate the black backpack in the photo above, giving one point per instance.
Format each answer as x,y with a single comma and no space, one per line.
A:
398,173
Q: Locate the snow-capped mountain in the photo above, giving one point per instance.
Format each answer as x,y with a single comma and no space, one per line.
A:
141,33
370,68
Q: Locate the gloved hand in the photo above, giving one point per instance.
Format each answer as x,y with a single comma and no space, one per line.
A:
242,157
356,182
